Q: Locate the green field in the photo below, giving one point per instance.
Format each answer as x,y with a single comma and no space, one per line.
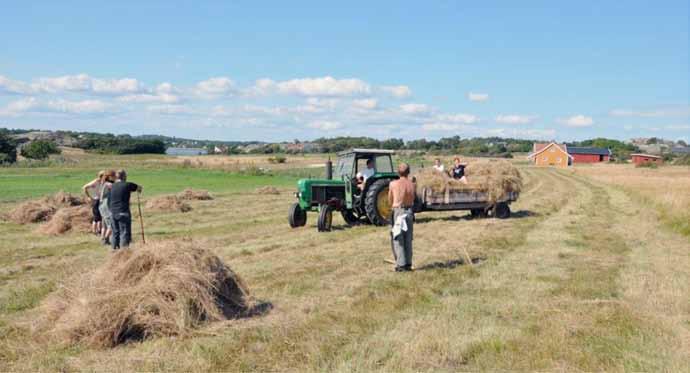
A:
17,184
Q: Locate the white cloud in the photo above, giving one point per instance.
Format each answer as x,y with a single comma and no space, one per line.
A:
446,127
325,125
170,109
15,108
415,109
150,98
515,119
458,118
366,104
85,83
214,87
666,112
115,86
11,86
547,133
678,127
78,107
477,97
325,86
397,91
577,121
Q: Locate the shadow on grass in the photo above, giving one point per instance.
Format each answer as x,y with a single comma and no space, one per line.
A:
523,214
261,308
449,264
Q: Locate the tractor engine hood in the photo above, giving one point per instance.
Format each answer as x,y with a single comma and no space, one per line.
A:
304,189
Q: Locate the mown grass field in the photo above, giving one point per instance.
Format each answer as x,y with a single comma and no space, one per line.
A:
588,275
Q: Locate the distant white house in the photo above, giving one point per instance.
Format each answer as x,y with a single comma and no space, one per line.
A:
186,151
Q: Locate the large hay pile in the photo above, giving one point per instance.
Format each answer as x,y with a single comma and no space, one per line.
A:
495,178
43,209
75,218
161,289
168,203
192,194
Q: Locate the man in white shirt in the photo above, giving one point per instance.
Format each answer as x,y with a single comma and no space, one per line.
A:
366,173
438,166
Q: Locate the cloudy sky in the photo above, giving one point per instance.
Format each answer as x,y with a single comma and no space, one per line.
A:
255,70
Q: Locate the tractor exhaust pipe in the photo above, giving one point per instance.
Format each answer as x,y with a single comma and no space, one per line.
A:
329,169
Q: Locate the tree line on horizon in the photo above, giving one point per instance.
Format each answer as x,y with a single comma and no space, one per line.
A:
157,144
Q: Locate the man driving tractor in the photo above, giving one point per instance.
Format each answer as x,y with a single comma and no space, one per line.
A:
368,172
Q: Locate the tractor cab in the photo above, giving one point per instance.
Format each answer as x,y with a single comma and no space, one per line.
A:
357,187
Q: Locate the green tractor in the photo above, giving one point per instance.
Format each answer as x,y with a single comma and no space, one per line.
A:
343,190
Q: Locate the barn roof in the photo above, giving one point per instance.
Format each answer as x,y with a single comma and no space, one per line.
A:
644,155
561,147
588,150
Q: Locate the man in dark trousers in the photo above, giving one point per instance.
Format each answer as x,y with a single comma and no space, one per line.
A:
119,207
401,194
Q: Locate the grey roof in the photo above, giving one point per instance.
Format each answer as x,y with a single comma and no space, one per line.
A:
369,151
645,155
588,150
681,150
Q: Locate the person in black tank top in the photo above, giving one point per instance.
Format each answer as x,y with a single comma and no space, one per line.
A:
458,171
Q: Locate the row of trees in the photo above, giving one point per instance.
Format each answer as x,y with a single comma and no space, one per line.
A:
40,149
121,144
494,146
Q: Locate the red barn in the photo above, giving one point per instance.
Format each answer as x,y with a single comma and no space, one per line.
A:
639,159
589,154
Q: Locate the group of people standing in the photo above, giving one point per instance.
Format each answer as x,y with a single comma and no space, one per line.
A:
109,194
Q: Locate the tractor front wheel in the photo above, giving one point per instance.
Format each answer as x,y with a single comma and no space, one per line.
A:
296,216
376,202
325,218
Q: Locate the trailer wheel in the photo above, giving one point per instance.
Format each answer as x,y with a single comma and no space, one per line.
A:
376,203
502,210
477,213
325,218
296,216
349,217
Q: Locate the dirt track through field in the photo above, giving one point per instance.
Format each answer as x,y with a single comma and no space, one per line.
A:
564,284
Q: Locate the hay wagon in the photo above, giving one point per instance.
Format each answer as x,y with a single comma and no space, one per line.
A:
477,202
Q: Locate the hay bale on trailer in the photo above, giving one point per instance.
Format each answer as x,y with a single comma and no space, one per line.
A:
490,187
494,178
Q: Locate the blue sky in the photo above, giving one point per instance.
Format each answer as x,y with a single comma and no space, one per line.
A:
256,70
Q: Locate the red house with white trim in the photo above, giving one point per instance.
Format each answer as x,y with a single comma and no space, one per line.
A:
589,154
639,159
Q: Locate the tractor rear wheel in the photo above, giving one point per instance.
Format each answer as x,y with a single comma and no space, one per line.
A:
325,218
296,216
501,210
349,217
376,203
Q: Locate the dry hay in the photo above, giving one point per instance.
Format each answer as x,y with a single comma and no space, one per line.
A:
168,203
75,218
495,178
192,194
43,209
267,190
161,289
